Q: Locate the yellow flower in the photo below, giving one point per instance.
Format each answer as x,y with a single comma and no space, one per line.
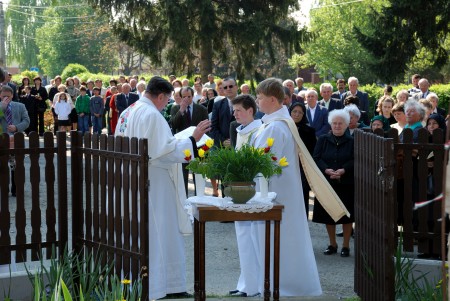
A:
283,162
126,281
270,142
209,143
187,153
201,153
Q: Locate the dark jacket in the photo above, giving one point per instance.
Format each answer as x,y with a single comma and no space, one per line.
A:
335,104
41,104
220,121
335,155
121,101
180,122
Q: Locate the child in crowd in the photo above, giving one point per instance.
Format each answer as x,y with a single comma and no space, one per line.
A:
97,107
63,108
82,106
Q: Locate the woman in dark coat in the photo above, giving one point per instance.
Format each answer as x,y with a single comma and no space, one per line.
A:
308,134
41,96
334,157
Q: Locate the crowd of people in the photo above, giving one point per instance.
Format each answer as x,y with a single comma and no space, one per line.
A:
231,116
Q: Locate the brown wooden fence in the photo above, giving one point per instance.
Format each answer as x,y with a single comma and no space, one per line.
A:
109,189
112,206
47,209
389,173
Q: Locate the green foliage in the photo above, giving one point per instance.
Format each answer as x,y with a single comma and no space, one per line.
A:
242,165
72,70
409,287
334,50
401,32
187,32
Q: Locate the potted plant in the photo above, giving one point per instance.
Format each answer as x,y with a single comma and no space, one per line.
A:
239,168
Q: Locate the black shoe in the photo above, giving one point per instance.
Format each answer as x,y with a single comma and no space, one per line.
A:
183,295
345,252
239,294
233,292
13,194
330,250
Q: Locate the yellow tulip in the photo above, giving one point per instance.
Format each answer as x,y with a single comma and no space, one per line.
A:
209,143
283,162
187,153
270,142
126,281
201,153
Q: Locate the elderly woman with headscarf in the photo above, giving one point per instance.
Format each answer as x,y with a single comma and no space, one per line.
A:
379,122
308,134
334,157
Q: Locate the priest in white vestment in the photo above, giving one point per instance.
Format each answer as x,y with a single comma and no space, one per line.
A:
298,269
168,221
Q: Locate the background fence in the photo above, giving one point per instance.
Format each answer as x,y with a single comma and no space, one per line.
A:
390,178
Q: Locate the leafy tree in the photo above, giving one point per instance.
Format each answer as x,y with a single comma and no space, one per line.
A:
22,21
334,49
402,29
184,32
51,34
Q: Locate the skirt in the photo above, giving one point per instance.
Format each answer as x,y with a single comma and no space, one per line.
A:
346,193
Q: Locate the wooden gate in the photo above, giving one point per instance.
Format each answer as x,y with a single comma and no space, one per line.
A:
391,177
374,217
112,207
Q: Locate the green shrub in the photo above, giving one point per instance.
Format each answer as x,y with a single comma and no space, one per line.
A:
72,70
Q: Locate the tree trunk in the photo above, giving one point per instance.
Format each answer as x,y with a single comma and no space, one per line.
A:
206,64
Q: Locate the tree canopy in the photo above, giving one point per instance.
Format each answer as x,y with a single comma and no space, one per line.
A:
184,32
51,34
405,30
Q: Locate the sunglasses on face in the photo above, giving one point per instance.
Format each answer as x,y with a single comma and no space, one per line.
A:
230,86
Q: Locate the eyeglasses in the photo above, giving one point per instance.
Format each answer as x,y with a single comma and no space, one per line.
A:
230,86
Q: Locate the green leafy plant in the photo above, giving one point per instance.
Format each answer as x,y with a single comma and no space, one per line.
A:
244,164
409,287
81,277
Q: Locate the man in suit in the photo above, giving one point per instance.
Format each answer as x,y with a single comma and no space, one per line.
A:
434,99
290,84
15,119
126,98
424,85
221,117
353,84
13,86
317,115
222,114
327,101
340,85
184,115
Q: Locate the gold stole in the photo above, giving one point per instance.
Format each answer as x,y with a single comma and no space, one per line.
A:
323,191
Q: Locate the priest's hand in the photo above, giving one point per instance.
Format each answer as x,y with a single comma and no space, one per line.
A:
202,128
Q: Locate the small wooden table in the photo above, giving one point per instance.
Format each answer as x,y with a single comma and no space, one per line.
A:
204,213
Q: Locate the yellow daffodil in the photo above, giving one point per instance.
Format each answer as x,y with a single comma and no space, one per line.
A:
209,143
201,153
126,281
187,153
270,142
283,162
